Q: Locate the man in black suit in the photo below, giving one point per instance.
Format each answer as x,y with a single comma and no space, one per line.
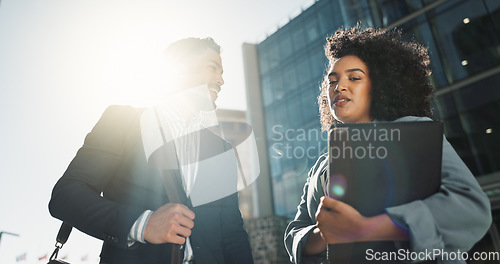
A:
114,189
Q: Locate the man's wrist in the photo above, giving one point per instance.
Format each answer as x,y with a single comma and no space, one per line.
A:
136,233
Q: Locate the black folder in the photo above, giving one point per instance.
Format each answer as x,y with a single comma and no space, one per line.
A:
373,166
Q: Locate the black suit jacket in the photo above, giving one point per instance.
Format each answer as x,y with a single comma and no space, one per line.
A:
109,184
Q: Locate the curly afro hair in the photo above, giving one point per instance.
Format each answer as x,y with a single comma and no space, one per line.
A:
398,71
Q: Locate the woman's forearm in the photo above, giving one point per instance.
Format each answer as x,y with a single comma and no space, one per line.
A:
381,227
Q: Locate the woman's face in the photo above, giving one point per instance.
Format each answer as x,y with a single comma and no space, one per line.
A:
349,92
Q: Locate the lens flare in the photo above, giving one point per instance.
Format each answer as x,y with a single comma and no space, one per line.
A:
337,186
338,190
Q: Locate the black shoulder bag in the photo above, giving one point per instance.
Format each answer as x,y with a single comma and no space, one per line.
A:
62,237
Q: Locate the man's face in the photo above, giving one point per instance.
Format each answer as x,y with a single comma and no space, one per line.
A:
208,70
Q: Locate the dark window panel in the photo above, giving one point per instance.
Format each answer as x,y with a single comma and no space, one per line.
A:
480,93
286,47
445,106
419,30
304,71
267,91
483,127
448,23
290,82
299,38
312,29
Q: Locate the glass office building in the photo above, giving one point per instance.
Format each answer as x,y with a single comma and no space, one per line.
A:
463,37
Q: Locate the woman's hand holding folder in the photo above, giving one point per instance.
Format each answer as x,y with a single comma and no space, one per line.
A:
340,223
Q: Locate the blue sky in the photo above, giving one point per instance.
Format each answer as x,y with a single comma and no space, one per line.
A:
63,61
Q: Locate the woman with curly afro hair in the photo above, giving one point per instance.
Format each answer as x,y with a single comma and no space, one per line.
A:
375,76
